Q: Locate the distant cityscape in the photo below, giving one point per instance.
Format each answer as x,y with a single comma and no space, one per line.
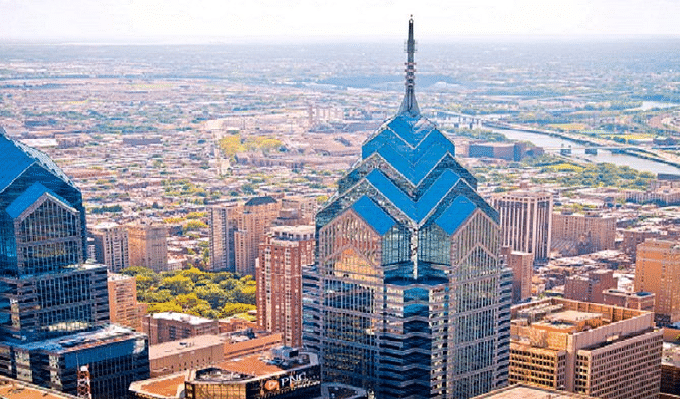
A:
224,221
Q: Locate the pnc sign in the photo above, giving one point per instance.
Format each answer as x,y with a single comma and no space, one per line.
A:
284,381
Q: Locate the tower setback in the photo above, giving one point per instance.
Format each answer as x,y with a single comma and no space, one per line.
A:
408,297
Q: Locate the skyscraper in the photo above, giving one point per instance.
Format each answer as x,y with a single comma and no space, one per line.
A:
407,297
256,219
148,246
111,246
526,220
54,307
657,270
223,225
279,280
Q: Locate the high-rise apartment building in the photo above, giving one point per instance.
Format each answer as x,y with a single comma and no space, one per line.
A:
576,234
255,220
657,270
279,280
148,246
592,349
526,219
522,266
111,246
124,308
53,307
407,298
223,224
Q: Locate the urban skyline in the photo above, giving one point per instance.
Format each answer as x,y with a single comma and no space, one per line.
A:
270,20
409,296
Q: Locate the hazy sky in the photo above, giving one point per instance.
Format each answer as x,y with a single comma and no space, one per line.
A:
249,20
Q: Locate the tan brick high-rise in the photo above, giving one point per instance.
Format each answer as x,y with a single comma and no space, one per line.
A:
279,280
254,222
148,246
657,270
593,349
123,305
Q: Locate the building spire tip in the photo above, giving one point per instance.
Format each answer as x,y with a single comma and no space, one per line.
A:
409,104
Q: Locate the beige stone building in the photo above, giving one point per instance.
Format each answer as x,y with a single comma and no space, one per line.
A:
657,270
123,305
526,219
111,246
256,219
591,349
279,280
148,245
576,234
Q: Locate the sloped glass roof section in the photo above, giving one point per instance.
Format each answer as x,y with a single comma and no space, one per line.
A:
19,157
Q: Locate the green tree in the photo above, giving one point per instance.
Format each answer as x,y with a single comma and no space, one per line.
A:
231,309
178,284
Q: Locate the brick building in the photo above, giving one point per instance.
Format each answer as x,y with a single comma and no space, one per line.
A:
279,280
170,326
591,349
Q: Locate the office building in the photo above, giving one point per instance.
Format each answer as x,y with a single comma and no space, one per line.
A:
631,300
123,305
670,369
54,308
223,225
281,373
576,234
522,266
148,246
657,270
526,222
408,298
590,288
255,220
279,280
111,246
170,326
591,349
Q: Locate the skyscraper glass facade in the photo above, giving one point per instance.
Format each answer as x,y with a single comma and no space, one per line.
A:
47,292
408,297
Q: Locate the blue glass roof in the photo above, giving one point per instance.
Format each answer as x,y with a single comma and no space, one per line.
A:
419,209
413,146
28,197
411,129
455,214
374,215
18,157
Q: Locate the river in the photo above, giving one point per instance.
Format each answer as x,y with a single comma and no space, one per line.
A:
553,144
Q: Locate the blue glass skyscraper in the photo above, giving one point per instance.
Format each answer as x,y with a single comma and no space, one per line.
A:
54,308
408,297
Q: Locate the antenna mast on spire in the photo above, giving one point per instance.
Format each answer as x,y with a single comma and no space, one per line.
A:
409,104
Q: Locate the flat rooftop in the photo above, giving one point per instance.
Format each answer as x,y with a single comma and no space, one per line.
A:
83,340
13,389
186,345
526,392
181,317
168,386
